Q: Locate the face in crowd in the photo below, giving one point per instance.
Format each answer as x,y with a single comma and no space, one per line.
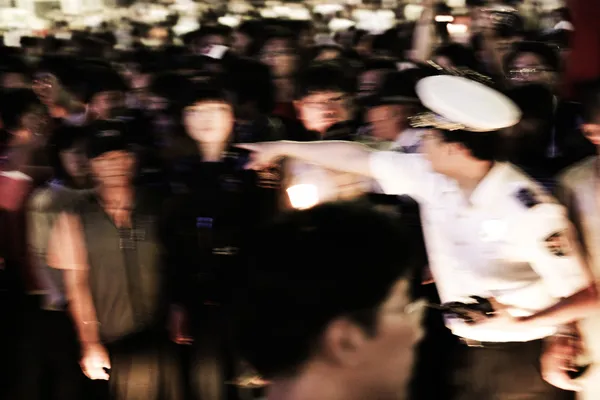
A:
209,121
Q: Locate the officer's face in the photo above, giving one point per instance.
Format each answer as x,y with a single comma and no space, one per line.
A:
114,168
209,121
438,152
382,363
319,111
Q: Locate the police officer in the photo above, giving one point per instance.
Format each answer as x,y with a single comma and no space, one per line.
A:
490,231
217,207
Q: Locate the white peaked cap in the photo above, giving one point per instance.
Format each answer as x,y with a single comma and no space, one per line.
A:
470,105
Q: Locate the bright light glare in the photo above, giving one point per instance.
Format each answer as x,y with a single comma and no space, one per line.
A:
327,8
444,18
456,29
229,20
303,196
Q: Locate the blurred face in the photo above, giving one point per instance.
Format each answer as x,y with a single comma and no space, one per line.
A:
369,82
47,87
529,68
113,169
385,361
442,156
280,57
74,162
241,43
107,105
319,111
592,132
387,121
36,120
209,121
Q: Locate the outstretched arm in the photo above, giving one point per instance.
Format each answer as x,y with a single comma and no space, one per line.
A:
336,155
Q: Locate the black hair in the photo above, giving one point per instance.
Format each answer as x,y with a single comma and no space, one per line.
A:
548,54
15,104
280,33
251,81
65,138
461,56
211,90
103,80
379,63
591,102
309,268
324,76
484,146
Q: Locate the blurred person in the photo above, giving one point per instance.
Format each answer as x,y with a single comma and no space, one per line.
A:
14,74
534,294
533,62
389,111
371,75
280,52
201,40
538,63
366,324
218,206
48,351
106,94
60,82
247,37
497,28
577,189
22,141
110,258
324,99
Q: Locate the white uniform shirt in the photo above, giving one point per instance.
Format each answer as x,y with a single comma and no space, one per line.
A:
496,246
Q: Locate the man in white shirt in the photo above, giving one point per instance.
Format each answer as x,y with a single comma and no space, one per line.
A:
490,231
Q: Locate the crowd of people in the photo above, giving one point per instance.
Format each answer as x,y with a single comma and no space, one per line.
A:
276,210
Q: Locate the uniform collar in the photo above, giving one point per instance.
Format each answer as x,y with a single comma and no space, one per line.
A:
489,187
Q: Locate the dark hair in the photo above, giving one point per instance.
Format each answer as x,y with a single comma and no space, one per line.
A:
461,56
64,139
324,76
378,63
280,33
484,146
15,104
211,90
548,54
591,102
309,268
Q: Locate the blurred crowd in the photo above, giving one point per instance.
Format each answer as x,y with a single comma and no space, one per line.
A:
126,208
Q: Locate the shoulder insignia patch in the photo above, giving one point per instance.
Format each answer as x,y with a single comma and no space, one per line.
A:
527,198
558,244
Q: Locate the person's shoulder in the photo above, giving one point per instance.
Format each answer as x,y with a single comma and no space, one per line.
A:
42,199
578,171
525,193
